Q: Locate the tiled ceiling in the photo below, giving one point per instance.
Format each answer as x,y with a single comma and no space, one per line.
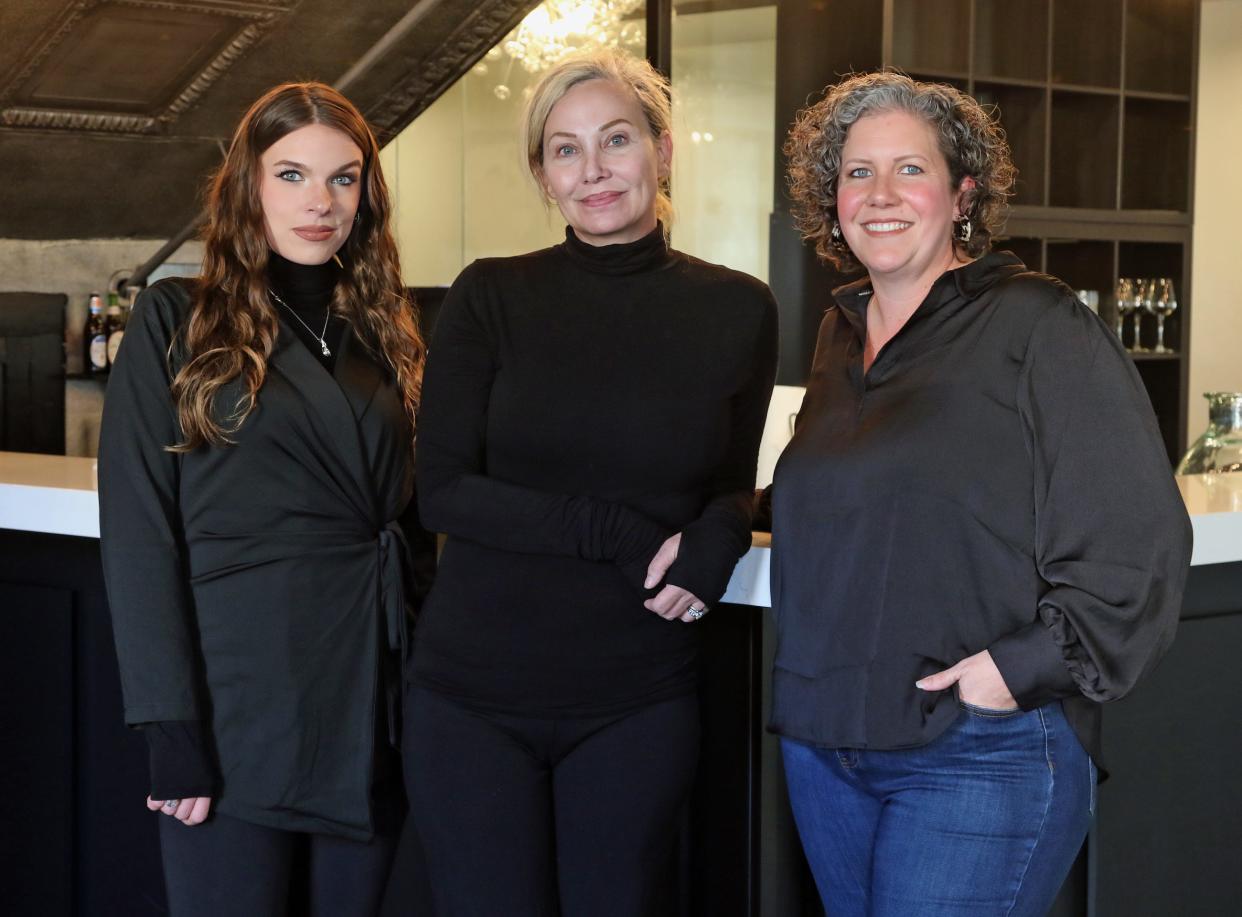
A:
113,112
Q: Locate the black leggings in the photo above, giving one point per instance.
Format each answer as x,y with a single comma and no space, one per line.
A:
530,817
229,866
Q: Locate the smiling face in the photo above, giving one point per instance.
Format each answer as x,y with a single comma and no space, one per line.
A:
601,165
310,191
895,201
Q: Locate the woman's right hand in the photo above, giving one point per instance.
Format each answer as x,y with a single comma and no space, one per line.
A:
192,810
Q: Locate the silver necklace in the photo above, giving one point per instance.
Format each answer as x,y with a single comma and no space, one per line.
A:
320,337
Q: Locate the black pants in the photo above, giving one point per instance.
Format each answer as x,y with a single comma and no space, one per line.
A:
530,817
229,866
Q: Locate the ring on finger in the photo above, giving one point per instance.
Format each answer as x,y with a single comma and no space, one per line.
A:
171,804
695,613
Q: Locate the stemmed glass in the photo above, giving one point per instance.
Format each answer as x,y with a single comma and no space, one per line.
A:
1124,296
1140,302
1164,304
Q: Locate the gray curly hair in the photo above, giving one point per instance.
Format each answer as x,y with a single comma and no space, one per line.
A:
972,142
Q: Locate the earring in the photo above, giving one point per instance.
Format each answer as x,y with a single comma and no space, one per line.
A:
357,218
837,241
962,228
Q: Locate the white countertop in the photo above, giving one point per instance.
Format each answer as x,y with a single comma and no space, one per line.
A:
49,493
57,495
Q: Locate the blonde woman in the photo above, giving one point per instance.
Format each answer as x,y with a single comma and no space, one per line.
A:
591,421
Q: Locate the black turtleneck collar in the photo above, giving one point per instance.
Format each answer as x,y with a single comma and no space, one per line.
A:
651,252
303,286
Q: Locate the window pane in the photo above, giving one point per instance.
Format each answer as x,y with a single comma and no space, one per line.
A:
724,97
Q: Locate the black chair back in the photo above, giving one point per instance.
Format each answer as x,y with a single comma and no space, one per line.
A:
32,372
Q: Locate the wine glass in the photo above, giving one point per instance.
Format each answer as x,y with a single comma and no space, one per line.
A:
1141,302
1164,304
1122,296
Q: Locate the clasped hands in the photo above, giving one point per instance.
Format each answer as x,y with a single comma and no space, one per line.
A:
671,602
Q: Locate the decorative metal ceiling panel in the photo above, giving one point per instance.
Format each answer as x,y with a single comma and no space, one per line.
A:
130,66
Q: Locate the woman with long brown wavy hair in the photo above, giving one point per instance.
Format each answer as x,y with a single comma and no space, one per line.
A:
255,464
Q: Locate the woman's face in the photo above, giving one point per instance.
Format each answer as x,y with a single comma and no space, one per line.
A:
310,191
895,203
601,165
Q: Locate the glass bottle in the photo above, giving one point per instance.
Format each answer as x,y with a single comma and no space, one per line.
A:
95,338
1219,449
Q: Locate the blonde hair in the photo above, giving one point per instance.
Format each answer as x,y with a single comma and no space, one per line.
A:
651,91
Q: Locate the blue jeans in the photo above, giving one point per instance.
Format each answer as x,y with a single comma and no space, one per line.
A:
985,819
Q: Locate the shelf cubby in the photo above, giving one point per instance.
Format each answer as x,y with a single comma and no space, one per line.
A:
1011,39
1160,41
1083,150
1086,42
1155,173
929,35
1155,259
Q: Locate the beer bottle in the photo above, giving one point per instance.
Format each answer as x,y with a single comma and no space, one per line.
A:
114,326
95,338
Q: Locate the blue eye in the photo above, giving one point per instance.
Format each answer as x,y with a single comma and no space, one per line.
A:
910,169
290,175
860,172
565,149
344,180
613,140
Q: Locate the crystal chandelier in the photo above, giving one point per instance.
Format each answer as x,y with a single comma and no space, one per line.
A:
557,28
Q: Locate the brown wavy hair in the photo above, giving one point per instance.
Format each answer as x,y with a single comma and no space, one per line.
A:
969,137
232,327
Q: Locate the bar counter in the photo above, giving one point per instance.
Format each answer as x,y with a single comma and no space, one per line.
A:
56,494
78,840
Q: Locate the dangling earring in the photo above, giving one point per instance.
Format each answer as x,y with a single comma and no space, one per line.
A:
837,241
962,228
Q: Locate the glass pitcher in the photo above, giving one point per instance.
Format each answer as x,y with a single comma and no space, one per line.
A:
1219,449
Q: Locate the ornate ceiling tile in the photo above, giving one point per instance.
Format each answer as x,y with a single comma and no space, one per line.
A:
80,74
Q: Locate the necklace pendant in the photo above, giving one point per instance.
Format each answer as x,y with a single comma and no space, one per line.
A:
326,351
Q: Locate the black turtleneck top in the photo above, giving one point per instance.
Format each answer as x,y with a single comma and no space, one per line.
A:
581,404
306,293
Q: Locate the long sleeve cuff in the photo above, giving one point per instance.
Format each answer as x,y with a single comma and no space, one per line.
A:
705,561
1030,662
181,762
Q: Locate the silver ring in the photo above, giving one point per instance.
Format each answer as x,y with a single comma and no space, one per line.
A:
171,803
696,613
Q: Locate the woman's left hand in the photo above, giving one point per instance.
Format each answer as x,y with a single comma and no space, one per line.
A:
978,681
671,602
674,603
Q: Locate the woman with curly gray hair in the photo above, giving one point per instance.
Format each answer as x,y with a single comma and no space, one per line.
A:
960,574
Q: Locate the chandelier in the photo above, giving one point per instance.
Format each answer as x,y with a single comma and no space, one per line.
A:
557,28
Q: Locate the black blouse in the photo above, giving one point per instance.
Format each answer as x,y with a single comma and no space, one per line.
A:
994,481
580,405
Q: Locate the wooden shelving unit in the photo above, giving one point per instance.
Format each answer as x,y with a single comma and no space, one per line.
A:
1097,100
